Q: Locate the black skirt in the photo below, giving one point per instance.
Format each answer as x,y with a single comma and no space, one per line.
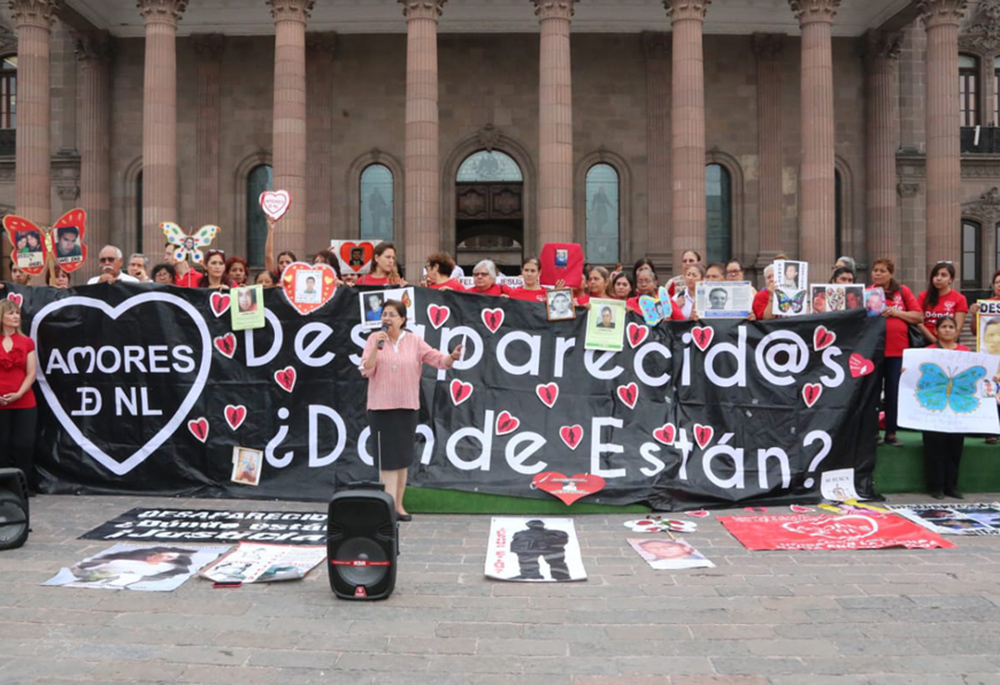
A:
394,433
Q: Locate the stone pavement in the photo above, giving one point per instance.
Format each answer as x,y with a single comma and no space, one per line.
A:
819,618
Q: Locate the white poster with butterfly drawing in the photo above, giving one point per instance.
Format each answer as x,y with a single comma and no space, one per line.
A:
949,391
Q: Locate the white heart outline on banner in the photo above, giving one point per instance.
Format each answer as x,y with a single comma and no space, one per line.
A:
143,453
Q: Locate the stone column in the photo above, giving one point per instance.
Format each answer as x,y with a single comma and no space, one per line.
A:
208,49
770,135
422,206
159,120
555,123
944,162
881,63
687,127
656,48
94,51
33,19
320,224
817,213
290,18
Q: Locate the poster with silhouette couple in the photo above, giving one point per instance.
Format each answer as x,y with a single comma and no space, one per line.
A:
534,550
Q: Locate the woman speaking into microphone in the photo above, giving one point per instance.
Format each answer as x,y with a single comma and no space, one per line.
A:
392,362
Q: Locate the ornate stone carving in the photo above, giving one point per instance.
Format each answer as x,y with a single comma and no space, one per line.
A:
488,136
936,12
209,46
807,11
881,46
983,34
161,11
375,153
686,9
986,207
8,40
291,10
422,9
323,43
907,189
93,47
554,9
767,46
34,12
68,193
655,45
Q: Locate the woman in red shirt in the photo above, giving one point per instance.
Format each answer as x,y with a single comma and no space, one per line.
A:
215,271
622,287
392,362
531,290
943,451
939,300
901,309
237,271
440,267
384,270
18,413
484,280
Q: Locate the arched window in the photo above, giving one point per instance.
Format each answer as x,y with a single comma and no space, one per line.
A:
488,166
376,203
971,247
138,212
260,178
8,92
603,217
718,213
968,89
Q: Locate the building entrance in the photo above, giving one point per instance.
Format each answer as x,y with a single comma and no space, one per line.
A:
489,211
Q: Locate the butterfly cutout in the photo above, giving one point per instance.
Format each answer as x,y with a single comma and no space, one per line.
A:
936,390
655,310
189,244
791,304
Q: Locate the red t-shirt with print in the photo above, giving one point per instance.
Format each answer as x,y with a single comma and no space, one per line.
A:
897,331
528,295
948,305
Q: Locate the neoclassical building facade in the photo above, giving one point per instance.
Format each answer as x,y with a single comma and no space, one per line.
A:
638,128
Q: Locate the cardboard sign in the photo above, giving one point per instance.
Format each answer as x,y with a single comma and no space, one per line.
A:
605,325
247,309
535,550
949,391
67,240
185,245
561,261
811,532
568,488
308,286
355,256
30,252
275,203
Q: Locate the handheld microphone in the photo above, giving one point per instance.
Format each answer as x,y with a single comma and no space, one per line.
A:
384,328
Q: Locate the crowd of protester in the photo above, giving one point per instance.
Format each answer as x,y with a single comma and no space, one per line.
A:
938,314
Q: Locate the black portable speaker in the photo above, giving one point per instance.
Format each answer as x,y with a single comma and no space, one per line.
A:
362,542
14,517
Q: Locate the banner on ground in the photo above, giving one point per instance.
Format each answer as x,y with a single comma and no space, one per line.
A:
207,525
147,568
812,532
953,519
147,389
534,550
252,563
949,391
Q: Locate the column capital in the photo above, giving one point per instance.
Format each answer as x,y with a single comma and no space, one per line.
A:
38,13
554,9
767,46
93,47
942,12
161,11
291,10
209,46
422,9
686,9
881,48
810,11
323,43
983,33
655,45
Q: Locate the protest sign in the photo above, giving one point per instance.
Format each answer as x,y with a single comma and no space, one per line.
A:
953,519
664,554
147,568
812,532
254,563
210,525
534,550
948,391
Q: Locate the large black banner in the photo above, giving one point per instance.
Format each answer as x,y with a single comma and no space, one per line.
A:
148,390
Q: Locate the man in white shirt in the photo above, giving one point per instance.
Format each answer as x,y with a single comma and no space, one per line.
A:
111,267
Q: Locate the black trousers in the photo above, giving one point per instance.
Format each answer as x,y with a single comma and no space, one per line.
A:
942,454
556,559
17,439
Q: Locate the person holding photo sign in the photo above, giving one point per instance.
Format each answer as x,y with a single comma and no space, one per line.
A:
901,309
940,300
392,362
943,451
974,309
990,343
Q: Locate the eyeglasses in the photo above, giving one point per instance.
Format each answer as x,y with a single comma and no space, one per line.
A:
480,273
734,272
109,260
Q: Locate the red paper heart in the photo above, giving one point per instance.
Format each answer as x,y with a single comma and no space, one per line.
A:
226,344
629,394
811,393
636,334
823,338
860,366
327,285
16,298
703,434
367,252
275,203
199,428
236,414
701,513
507,423
548,393
285,378
220,303
438,315
703,336
493,318
798,509
665,434
571,435
460,391
569,489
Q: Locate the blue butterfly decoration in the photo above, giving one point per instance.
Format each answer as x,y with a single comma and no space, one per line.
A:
791,304
656,310
936,390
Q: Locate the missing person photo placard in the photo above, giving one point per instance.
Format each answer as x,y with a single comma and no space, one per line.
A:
724,299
